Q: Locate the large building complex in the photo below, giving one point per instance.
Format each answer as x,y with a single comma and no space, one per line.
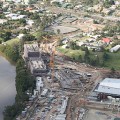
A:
109,86
31,50
37,66
35,60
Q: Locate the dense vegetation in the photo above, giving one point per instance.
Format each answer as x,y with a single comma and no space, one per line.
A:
106,3
11,51
24,82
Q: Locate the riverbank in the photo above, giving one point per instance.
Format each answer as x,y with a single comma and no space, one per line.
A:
8,59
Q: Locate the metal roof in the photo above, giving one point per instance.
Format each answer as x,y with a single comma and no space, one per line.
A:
109,86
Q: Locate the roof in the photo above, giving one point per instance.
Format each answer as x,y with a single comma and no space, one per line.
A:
31,47
106,40
60,117
111,82
39,82
109,86
115,48
38,64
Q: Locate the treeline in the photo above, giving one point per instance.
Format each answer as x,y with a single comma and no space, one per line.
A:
11,51
24,81
111,30
106,3
90,56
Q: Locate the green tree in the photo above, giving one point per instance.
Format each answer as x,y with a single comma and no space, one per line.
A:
5,35
11,112
113,70
105,56
22,21
58,31
28,37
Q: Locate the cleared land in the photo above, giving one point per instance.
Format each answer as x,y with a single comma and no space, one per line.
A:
99,115
64,29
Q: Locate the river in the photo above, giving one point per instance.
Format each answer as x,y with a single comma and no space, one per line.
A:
7,84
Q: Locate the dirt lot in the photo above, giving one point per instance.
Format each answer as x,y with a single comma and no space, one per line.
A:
99,115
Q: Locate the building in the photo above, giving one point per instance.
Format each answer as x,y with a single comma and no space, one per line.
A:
26,1
36,61
3,21
59,1
14,16
31,51
20,36
64,105
61,117
37,66
106,40
109,86
39,84
44,92
115,48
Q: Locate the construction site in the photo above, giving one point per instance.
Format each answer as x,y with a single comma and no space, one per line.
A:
65,90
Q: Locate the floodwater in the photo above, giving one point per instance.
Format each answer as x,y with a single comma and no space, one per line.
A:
7,84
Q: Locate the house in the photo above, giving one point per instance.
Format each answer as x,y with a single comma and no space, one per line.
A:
65,40
106,40
80,43
30,22
58,1
14,16
106,11
3,21
20,36
64,46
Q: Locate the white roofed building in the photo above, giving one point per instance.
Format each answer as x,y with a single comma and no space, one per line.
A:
115,48
39,83
109,86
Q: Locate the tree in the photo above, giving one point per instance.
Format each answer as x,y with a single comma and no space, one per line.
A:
87,51
58,31
112,70
11,112
80,58
28,37
5,35
95,22
108,3
22,21
11,51
105,56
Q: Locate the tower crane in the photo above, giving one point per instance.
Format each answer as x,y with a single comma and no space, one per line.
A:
52,54
52,63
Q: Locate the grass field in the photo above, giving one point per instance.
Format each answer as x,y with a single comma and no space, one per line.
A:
71,53
113,61
12,41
